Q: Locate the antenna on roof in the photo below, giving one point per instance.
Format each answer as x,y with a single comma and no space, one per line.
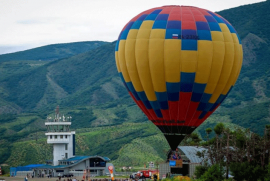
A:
57,110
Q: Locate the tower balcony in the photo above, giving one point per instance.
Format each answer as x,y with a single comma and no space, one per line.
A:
59,141
59,137
58,123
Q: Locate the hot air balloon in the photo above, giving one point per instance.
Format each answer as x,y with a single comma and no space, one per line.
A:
178,64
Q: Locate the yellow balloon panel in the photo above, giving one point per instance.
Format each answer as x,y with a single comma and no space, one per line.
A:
142,62
156,63
204,64
217,63
225,72
235,69
131,64
122,60
172,60
117,62
189,60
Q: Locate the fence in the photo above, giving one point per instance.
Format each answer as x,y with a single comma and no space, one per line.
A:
123,173
24,173
80,174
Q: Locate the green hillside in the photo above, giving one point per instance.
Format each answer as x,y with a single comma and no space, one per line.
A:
85,84
115,142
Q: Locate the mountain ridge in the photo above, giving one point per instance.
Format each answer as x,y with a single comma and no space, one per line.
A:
53,51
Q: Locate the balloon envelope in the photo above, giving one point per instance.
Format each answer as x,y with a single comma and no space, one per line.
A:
178,64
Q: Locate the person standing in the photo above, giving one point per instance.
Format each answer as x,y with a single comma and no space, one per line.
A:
59,176
155,177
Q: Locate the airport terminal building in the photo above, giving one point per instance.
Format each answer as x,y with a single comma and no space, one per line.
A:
76,166
64,162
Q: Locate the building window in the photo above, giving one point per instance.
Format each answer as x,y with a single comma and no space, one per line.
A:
50,136
97,162
55,136
66,155
61,136
66,146
66,136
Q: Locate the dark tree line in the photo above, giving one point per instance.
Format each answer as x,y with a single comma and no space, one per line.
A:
241,152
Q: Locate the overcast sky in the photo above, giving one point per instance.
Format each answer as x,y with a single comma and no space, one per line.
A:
27,24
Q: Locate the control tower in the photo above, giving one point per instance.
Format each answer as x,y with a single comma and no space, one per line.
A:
59,134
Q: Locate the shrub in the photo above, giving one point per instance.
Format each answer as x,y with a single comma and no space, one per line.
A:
267,175
214,173
200,170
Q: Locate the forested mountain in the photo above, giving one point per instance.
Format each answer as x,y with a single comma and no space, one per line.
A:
82,79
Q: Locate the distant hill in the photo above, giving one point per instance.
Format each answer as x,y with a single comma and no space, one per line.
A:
52,52
253,18
86,86
66,80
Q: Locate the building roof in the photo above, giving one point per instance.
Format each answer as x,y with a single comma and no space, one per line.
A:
106,159
76,158
26,168
191,153
79,158
34,165
73,161
52,167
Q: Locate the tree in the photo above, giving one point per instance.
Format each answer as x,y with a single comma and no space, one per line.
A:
192,139
219,128
195,138
247,171
208,132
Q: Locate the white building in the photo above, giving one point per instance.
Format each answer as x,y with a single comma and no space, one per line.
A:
61,137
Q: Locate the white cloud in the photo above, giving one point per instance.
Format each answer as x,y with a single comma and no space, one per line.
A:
40,22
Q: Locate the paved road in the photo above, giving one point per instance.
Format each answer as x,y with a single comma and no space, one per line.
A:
35,179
